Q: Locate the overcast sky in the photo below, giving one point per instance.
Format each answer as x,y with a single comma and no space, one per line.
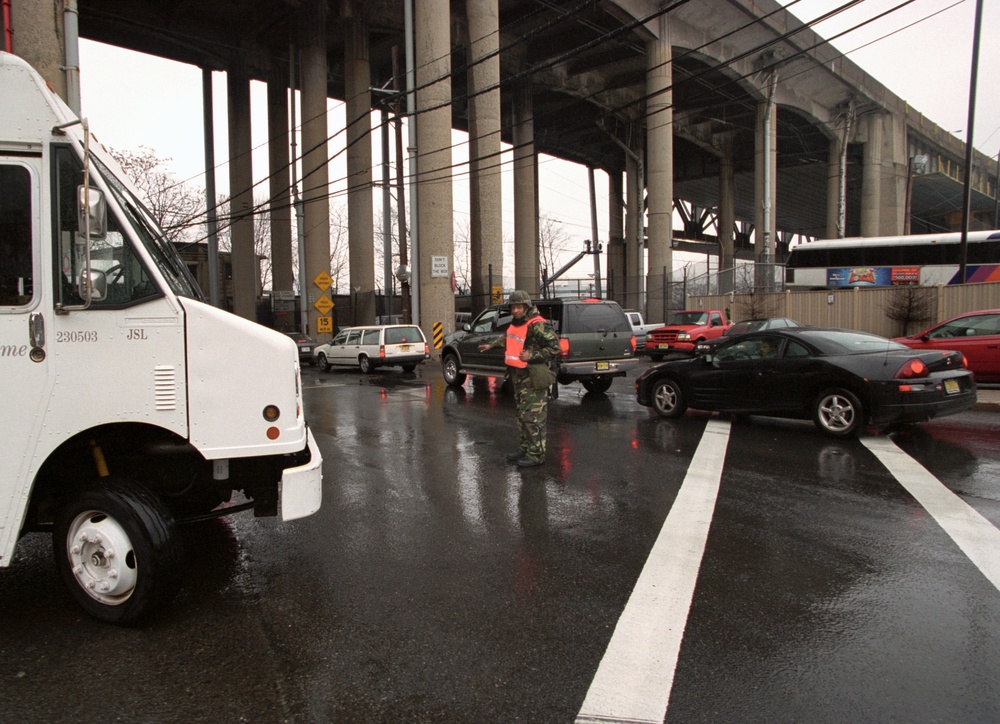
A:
922,53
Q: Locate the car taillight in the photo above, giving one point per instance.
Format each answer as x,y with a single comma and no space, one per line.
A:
563,347
633,344
912,368
381,351
965,362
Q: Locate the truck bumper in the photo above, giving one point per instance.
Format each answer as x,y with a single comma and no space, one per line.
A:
614,367
301,488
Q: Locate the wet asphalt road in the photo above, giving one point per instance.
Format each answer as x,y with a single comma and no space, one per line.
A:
437,583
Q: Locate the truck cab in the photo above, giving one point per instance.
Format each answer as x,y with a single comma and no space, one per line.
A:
124,417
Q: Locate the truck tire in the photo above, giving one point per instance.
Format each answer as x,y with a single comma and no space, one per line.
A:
597,384
117,550
450,370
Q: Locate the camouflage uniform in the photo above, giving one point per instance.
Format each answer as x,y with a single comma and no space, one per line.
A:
532,404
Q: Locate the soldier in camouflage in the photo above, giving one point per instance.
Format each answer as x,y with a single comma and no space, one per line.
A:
529,341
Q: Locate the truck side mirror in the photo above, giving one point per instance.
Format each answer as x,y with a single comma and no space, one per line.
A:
97,213
98,283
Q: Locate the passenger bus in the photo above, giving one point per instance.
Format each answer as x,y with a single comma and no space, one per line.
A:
925,259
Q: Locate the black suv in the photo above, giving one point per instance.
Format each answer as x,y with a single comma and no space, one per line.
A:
594,335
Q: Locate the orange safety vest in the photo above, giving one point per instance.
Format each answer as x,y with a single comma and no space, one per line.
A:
516,336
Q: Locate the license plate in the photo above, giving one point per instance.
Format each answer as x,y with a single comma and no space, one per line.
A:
307,349
664,345
404,348
601,366
951,387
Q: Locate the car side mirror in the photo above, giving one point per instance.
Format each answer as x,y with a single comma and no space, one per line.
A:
466,327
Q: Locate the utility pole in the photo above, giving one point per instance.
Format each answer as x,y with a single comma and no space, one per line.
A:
963,247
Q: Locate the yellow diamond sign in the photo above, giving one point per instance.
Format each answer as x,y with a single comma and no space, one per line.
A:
323,280
324,304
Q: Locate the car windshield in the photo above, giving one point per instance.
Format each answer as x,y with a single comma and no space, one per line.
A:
842,341
690,318
744,327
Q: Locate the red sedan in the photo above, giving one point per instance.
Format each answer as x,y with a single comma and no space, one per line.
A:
974,334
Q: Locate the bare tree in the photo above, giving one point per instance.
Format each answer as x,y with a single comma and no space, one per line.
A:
552,240
754,302
463,255
910,305
176,206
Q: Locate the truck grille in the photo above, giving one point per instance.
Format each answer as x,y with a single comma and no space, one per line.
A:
665,335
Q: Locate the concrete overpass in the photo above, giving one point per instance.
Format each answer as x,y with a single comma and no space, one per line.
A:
729,112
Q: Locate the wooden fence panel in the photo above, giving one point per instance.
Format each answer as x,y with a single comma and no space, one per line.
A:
861,308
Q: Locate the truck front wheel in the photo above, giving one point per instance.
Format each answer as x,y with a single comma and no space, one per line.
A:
117,550
450,369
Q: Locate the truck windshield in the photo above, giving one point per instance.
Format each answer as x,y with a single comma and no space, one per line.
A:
150,235
699,318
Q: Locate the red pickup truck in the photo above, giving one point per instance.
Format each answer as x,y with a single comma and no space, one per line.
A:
684,331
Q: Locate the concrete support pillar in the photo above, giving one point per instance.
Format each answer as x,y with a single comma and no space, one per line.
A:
633,234
616,238
895,162
765,196
525,194
833,190
871,177
282,277
38,38
315,173
360,211
241,230
727,218
660,167
485,194
432,31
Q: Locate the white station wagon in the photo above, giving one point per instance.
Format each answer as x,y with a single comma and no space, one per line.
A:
378,345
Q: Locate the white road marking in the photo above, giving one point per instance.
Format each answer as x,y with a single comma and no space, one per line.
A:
633,681
975,535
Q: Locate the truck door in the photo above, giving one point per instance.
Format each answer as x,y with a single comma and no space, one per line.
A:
25,373
122,359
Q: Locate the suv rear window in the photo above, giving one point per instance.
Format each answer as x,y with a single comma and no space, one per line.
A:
592,317
402,335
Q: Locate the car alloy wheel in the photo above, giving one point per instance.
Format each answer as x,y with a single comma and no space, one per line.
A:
668,400
838,412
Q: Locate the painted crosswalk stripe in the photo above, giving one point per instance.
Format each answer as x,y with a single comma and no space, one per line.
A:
975,535
633,681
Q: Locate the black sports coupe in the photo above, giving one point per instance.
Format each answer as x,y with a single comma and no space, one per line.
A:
840,378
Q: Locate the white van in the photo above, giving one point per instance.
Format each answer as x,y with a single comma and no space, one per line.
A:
378,345
122,419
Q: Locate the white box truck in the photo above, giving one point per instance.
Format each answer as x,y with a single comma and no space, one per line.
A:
124,413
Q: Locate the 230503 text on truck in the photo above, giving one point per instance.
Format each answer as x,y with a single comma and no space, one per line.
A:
123,416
